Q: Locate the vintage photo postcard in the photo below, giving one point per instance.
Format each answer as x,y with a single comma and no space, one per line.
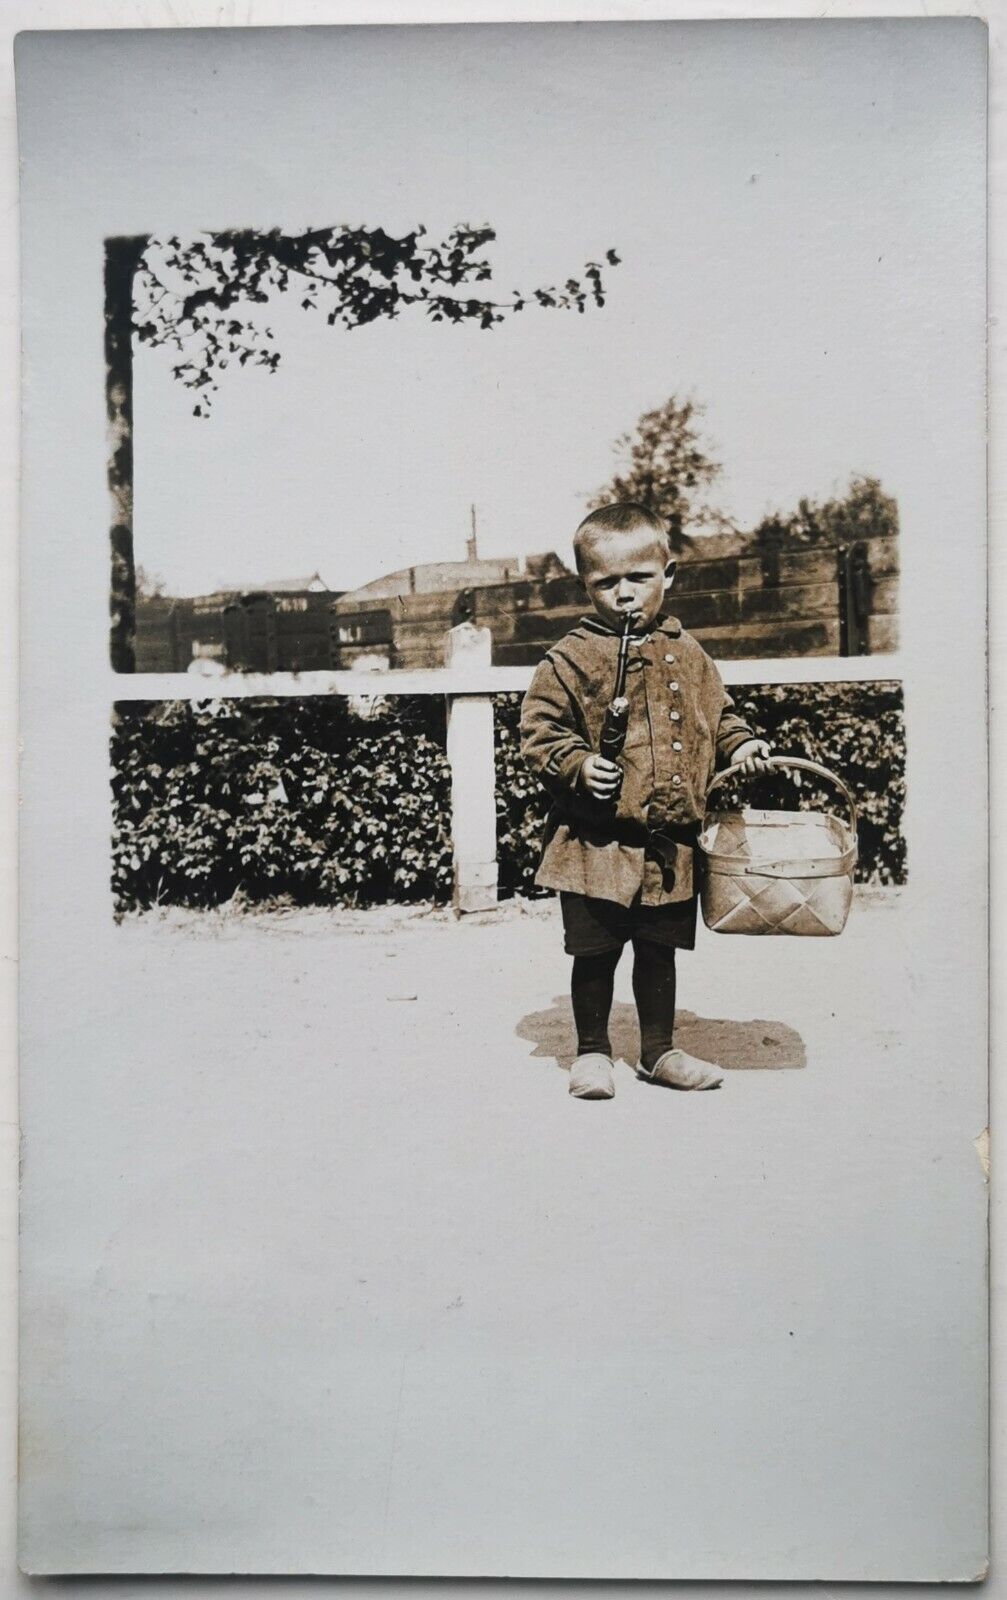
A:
504,876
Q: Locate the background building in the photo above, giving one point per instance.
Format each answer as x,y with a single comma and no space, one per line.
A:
741,598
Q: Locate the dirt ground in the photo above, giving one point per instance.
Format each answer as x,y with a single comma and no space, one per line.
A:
749,990
351,1247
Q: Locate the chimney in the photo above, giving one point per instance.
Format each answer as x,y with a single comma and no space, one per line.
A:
471,547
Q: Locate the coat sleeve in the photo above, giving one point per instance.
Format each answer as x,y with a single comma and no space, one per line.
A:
552,744
732,729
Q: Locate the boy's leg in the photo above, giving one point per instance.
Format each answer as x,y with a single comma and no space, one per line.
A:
594,934
654,993
591,987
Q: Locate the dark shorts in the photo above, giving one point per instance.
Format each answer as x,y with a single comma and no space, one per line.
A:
593,927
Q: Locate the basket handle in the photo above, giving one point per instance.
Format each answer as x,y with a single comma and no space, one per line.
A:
801,765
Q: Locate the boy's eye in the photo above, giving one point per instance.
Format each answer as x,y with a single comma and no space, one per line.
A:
630,577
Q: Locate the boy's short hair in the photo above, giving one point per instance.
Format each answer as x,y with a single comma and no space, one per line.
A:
623,517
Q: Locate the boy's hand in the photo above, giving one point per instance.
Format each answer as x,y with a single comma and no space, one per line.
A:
752,756
600,777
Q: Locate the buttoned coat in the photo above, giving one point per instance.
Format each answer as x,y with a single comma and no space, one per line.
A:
682,724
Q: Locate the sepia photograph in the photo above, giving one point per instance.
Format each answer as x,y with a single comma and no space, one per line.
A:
504,511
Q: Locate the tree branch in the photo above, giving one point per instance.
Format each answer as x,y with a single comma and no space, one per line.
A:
247,267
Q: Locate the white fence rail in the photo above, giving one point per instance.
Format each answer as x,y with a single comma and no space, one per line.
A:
468,684
455,680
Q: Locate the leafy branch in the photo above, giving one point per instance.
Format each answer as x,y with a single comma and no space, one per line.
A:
199,297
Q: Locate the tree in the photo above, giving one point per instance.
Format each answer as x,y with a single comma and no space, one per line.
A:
203,298
149,585
200,298
665,466
864,512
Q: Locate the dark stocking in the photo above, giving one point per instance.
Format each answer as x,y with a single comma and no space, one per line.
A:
591,988
654,992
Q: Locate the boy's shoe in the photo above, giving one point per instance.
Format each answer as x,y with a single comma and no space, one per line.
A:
592,1078
676,1070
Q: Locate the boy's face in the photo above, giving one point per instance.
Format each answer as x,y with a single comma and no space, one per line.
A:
627,572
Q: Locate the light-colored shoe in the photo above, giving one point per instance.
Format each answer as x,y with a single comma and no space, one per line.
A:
677,1070
592,1078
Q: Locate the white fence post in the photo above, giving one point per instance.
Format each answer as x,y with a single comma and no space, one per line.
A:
473,777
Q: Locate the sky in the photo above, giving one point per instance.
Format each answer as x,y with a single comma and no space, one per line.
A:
797,208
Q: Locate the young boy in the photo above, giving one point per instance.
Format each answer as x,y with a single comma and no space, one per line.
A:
619,837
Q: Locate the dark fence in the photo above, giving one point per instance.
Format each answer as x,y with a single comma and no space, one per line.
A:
794,602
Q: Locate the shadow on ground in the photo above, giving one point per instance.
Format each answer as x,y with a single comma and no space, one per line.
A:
755,1046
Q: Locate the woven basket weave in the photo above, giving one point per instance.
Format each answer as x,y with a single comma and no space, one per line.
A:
779,871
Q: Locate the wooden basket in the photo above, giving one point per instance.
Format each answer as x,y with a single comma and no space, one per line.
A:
778,871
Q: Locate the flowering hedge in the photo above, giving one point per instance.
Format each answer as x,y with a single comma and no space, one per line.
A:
331,802
858,731
308,800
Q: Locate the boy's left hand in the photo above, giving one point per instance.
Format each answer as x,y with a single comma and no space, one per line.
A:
752,756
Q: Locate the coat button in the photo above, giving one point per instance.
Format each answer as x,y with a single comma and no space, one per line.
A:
676,716
676,780
669,658
676,744
673,685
